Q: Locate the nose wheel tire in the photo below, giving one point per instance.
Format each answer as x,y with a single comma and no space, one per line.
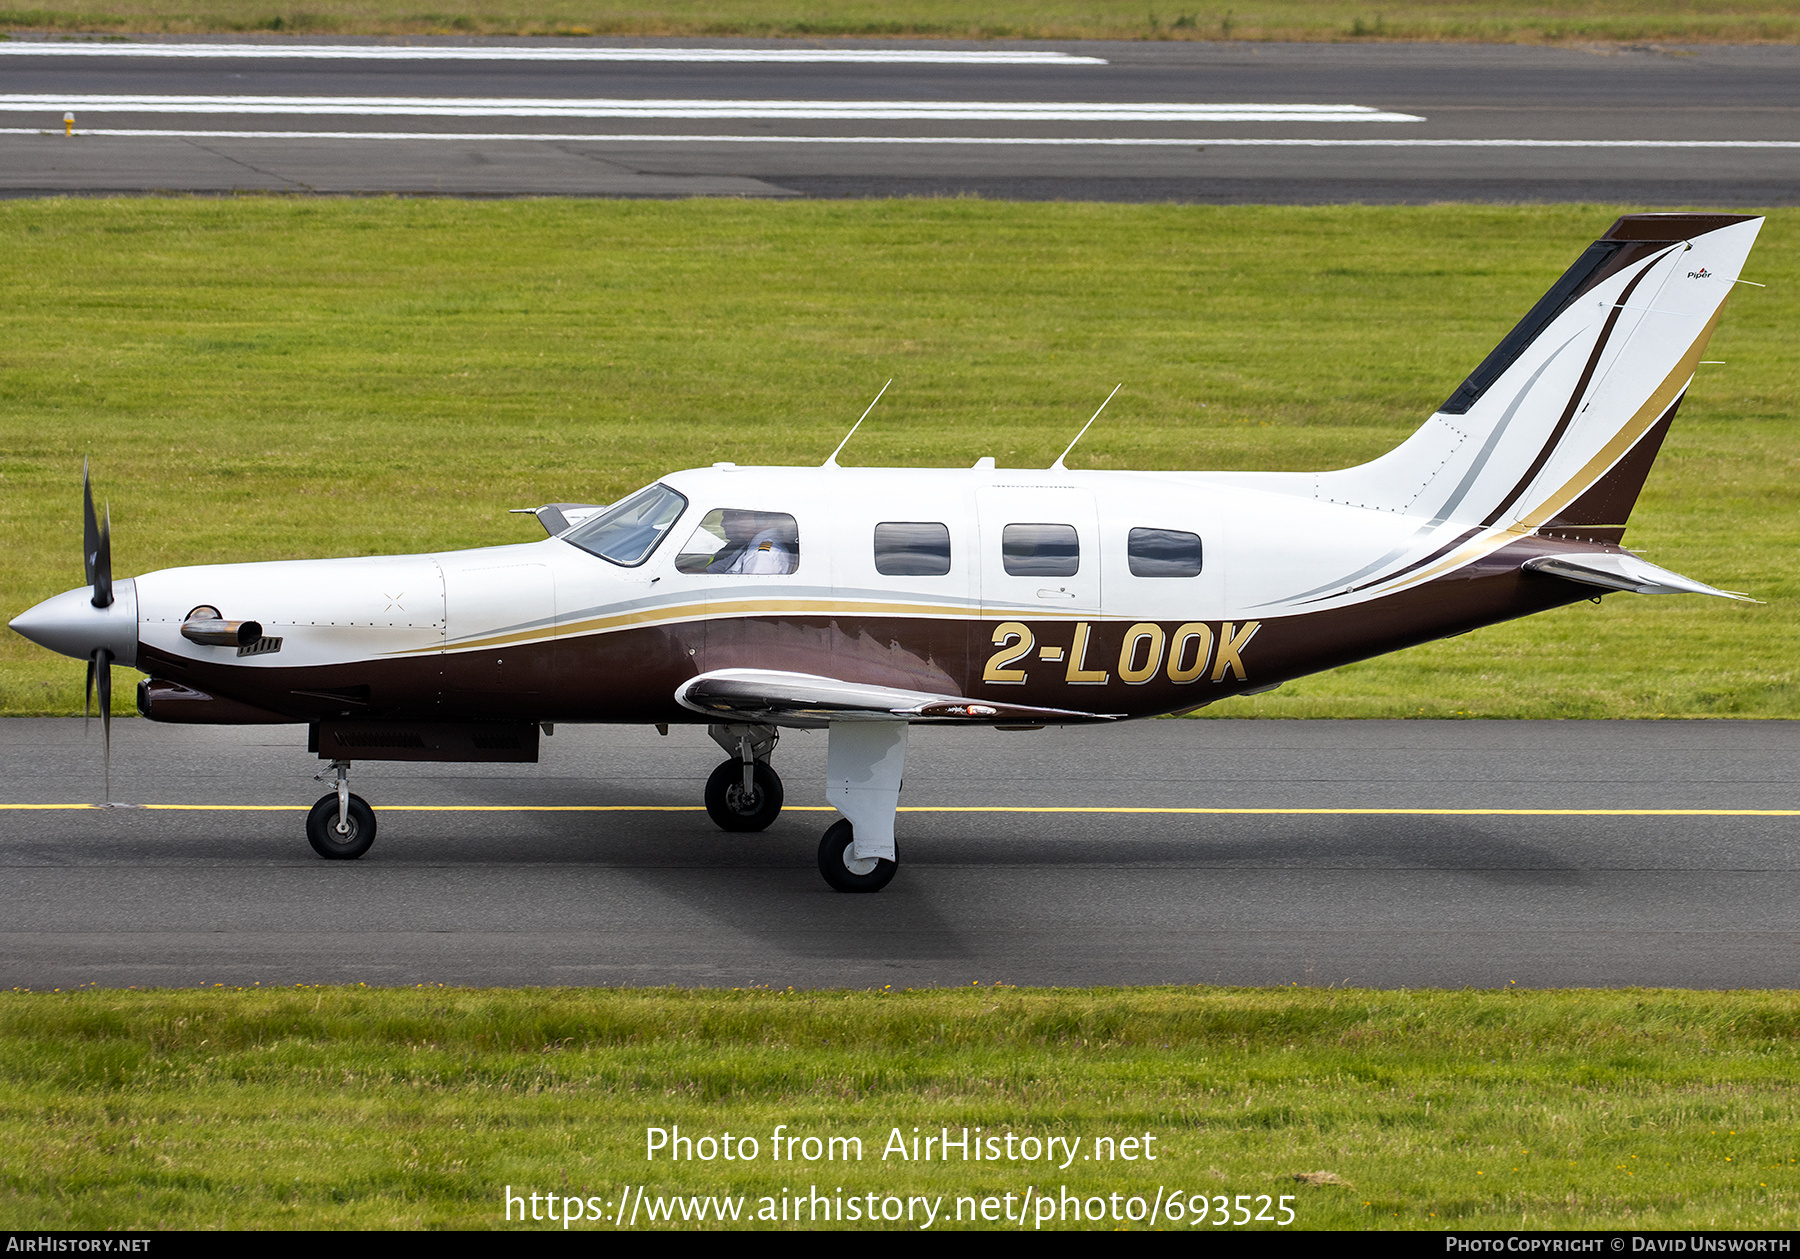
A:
335,845
735,809
844,872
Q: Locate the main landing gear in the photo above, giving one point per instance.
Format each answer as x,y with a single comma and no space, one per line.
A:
864,763
744,793
843,870
865,760
341,827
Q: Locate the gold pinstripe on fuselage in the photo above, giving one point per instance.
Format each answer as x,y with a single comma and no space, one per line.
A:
705,608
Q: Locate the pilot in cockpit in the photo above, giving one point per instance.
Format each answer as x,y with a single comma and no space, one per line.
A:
758,542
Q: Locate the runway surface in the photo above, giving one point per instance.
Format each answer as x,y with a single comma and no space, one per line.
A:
597,866
1713,126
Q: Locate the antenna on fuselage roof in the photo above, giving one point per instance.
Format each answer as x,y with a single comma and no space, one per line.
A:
1058,465
832,461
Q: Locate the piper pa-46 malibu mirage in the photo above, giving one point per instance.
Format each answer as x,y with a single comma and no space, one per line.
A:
864,600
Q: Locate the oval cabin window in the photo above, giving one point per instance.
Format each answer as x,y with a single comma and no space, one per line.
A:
1164,553
1040,550
912,549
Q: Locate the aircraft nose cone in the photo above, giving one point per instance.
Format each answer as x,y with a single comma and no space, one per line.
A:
70,624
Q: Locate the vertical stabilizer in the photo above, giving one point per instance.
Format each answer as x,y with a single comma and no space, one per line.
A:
1557,428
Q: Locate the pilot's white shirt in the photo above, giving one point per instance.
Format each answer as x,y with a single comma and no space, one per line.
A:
765,554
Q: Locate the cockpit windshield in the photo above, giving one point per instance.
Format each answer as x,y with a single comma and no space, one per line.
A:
627,533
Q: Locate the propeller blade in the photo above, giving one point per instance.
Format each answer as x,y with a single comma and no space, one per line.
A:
103,658
103,595
90,528
96,548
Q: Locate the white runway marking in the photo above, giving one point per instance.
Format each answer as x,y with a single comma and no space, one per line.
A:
520,52
510,107
1054,141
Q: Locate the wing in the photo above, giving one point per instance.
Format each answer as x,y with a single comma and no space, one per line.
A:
808,700
1613,570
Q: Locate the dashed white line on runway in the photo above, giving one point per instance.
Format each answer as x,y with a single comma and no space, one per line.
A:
517,107
512,52
1052,141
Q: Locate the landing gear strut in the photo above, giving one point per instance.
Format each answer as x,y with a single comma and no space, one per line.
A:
744,793
341,827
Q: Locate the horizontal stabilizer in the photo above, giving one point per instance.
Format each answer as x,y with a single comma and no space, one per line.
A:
806,699
1616,570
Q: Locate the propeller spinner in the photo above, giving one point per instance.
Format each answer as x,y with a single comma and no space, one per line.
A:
96,623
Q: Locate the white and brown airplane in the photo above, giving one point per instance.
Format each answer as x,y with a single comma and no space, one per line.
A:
864,600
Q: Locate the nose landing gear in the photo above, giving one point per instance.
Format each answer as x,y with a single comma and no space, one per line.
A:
341,826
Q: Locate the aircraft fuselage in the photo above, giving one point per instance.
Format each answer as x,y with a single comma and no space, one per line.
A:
546,631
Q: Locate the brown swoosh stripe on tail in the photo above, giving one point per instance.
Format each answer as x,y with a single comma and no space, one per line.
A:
1575,396
1600,513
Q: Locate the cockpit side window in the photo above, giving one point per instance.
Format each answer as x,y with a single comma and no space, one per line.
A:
1163,553
736,540
626,534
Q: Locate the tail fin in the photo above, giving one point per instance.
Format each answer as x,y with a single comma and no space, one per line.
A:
1556,430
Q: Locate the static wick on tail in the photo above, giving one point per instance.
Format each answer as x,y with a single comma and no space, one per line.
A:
1058,465
832,462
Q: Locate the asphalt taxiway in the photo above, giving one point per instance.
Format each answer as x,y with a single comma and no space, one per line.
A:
1198,122
1393,854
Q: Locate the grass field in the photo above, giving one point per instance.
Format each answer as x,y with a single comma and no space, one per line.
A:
415,1108
267,378
1503,21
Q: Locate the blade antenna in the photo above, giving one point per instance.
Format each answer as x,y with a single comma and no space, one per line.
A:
1058,465
832,461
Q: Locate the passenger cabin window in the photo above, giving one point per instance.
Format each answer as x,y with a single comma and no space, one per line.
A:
1164,553
732,540
626,534
1040,550
912,549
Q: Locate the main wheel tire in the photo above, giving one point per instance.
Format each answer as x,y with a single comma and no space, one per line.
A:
734,809
844,874
322,828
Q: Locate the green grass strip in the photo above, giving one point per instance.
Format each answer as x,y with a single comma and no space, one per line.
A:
273,378
367,1108
1497,21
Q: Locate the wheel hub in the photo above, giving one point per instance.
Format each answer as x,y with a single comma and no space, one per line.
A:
740,800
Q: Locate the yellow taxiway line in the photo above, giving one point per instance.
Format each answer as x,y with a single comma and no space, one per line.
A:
944,808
